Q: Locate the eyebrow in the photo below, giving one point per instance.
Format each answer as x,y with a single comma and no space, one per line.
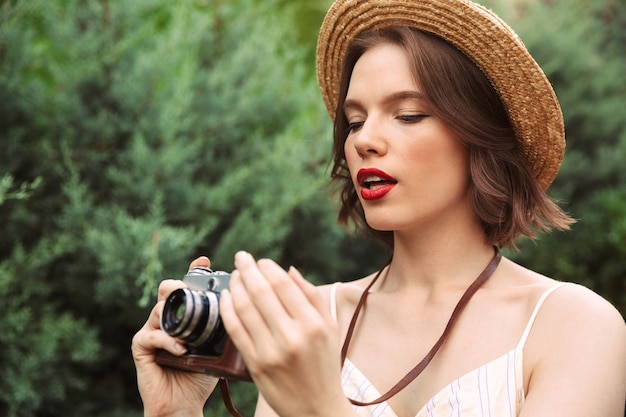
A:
391,98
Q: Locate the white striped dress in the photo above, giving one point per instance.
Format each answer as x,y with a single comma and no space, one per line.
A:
496,389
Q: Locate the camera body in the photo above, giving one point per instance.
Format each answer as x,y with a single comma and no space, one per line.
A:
192,315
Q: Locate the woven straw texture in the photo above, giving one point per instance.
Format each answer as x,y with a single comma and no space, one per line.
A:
488,41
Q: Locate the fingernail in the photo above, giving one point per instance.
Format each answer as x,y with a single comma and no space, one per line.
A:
242,256
180,348
264,262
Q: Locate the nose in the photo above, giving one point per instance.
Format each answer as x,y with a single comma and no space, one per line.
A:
369,140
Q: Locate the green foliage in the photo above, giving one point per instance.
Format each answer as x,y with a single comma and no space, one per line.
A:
24,191
42,342
135,137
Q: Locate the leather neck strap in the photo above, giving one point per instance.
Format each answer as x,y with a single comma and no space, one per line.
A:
413,373
227,398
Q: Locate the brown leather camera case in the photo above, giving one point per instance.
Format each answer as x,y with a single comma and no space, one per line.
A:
229,365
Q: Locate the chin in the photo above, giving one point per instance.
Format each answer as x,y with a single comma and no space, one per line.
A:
381,225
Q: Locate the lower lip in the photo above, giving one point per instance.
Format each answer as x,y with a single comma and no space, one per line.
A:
376,193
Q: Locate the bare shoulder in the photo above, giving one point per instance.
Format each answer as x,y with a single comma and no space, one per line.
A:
335,294
578,336
347,292
576,311
570,315
569,306
341,298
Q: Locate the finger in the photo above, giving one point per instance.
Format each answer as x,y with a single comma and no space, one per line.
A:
246,309
244,324
151,337
154,320
200,261
167,286
256,283
293,291
234,326
311,292
147,341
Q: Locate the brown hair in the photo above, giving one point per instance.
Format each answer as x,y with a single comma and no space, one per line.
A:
507,199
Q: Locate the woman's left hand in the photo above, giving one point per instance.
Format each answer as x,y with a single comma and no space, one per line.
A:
287,337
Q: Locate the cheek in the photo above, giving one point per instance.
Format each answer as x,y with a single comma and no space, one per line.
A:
424,159
442,162
453,164
350,156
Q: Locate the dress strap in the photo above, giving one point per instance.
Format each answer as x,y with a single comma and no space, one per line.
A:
533,316
333,300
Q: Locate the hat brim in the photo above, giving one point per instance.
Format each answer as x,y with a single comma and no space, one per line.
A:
488,41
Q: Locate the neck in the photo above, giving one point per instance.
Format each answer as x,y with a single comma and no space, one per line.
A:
437,261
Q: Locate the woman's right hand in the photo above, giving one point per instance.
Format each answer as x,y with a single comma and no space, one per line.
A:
166,391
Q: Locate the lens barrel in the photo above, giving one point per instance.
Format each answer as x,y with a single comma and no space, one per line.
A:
193,316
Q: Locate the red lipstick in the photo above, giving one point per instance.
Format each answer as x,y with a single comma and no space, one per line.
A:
375,184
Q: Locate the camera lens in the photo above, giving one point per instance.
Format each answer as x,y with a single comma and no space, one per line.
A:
180,312
193,316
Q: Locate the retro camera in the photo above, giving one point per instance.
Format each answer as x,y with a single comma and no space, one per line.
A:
192,315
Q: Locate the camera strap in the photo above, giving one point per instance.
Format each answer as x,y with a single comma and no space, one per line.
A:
228,401
413,373
417,370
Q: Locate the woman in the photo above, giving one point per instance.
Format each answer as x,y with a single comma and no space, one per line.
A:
447,134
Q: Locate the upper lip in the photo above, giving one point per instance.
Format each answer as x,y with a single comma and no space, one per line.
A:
367,175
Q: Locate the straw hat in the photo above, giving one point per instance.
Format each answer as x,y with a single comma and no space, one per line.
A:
477,32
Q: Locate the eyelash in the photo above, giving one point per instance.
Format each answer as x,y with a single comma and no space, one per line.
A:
409,118
353,126
412,118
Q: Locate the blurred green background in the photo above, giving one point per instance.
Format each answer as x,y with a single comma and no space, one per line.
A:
137,135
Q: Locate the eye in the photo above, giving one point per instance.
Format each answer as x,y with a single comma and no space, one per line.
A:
412,118
353,127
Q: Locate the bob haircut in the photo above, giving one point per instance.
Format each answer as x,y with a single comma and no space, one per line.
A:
507,199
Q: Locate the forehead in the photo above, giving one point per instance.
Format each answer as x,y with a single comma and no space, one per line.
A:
385,68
